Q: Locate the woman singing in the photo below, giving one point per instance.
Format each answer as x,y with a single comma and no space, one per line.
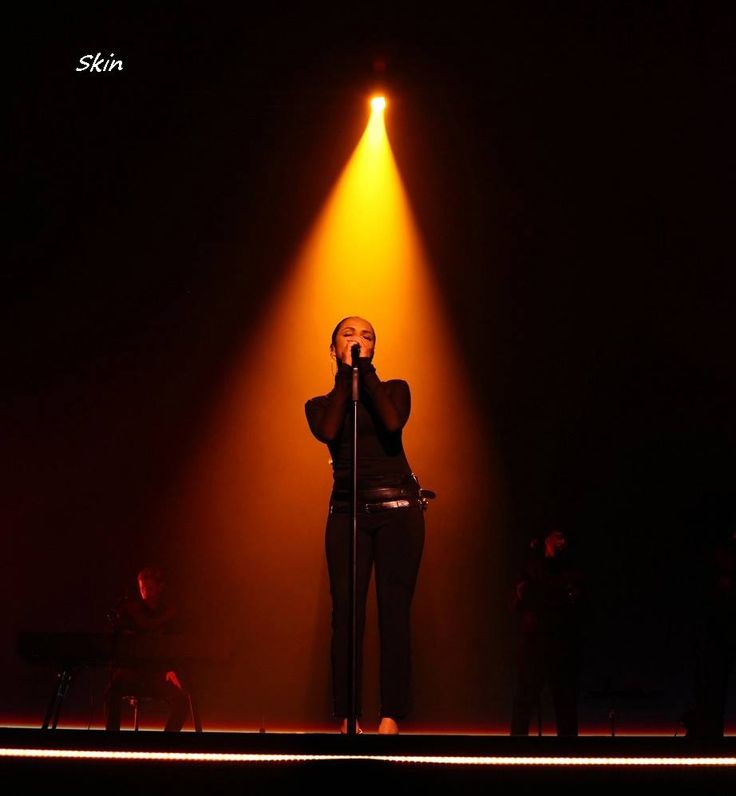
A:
390,518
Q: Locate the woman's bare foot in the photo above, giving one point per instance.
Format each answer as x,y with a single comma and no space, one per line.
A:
344,728
388,727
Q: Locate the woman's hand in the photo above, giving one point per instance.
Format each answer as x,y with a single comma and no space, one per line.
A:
365,349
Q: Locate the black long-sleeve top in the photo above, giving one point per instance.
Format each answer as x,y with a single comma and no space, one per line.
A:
383,409
549,595
136,616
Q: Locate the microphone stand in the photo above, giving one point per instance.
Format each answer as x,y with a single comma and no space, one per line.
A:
353,652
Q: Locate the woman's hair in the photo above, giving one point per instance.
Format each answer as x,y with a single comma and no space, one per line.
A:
340,323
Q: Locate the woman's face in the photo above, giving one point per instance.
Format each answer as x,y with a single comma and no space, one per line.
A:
351,331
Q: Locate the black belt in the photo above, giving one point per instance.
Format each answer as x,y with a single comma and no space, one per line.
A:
377,494
381,498
342,507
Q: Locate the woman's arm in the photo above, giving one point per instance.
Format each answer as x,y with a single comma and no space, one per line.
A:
392,400
326,415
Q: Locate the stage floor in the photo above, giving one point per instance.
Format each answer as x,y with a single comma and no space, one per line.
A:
217,762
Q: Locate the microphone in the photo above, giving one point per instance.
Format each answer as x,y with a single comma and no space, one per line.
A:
355,354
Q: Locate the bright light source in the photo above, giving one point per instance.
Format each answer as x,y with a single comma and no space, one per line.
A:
378,104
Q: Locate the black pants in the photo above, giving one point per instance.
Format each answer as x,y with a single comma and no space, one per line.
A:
392,539
552,660
130,682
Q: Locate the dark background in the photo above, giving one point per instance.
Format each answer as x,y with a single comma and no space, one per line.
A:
567,166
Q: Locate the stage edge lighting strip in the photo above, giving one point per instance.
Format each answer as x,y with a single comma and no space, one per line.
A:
236,757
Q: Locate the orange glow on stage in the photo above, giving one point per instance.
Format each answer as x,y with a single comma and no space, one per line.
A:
254,503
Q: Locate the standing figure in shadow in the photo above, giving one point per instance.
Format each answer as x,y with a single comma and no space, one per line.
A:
715,652
547,602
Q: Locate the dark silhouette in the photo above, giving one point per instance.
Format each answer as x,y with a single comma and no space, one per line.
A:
715,651
149,613
547,599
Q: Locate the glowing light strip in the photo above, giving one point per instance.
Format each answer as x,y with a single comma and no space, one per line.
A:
458,760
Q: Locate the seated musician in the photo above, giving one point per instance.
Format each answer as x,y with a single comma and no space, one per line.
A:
150,613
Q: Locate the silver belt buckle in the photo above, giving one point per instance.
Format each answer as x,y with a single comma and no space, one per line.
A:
393,504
